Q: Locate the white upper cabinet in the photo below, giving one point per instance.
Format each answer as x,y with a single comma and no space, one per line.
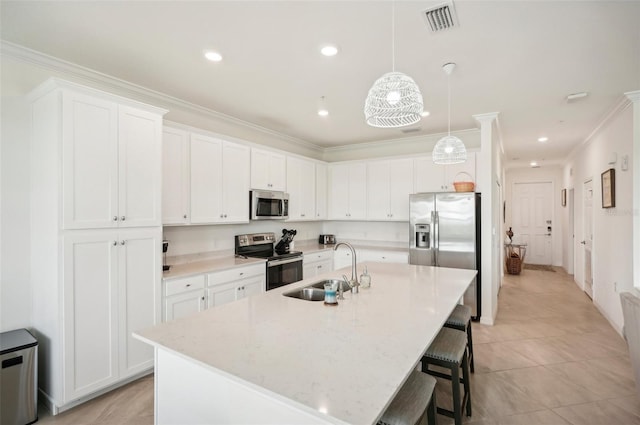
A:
111,163
219,181
321,191
430,177
389,184
268,170
301,186
348,191
175,176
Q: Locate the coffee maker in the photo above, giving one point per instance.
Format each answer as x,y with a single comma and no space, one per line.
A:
165,248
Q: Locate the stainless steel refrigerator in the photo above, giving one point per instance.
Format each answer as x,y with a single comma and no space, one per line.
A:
444,231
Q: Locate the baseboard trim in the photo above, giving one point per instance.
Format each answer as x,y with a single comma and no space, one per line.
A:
49,403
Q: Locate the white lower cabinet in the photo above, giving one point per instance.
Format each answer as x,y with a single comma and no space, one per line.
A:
193,294
234,284
111,282
183,297
381,256
316,263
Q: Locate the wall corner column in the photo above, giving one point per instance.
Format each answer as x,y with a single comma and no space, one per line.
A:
634,97
490,209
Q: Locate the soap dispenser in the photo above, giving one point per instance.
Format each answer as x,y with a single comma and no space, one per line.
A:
365,279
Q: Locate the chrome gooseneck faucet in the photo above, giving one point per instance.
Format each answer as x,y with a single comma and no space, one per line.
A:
354,271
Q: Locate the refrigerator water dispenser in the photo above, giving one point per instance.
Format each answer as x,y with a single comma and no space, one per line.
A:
422,236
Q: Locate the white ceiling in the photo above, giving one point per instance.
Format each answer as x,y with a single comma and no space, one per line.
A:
518,58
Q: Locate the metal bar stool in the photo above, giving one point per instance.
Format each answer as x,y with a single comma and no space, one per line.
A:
460,319
449,350
415,398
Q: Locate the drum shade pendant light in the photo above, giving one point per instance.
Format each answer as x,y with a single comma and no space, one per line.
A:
394,100
449,149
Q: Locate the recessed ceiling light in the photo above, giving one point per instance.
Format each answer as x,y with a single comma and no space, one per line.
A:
425,113
323,112
322,107
542,139
329,50
213,56
533,164
576,96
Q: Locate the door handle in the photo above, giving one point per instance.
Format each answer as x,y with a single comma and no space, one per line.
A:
583,242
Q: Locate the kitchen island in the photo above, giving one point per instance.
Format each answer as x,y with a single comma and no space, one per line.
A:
275,359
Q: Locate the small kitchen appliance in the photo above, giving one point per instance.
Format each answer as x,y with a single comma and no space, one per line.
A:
281,268
327,240
165,248
268,205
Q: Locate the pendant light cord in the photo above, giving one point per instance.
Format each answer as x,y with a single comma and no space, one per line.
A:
393,36
449,101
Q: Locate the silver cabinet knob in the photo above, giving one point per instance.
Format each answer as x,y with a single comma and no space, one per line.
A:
115,218
220,215
115,243
122,242
225,216
122,218
184,216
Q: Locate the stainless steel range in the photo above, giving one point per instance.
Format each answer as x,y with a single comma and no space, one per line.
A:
282,269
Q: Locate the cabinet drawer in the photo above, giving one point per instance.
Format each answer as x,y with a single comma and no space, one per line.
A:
236,273
318,256
176,286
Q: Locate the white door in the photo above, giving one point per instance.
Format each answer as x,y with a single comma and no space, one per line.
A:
532,220
278,172
235,176
358,191
339,191
139,168
90,311
428,177
175,176
294,187
308,191
588,237
139,260
222,294
252,286
89,162
206,179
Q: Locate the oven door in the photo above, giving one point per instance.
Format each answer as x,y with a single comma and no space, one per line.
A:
283,272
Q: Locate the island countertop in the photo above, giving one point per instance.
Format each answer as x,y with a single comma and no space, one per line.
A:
343,364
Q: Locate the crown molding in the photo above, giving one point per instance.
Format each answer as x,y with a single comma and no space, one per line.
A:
394,141
623,103
633,96
90,76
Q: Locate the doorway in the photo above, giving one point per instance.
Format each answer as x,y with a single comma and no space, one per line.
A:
571,232
532,220
587,242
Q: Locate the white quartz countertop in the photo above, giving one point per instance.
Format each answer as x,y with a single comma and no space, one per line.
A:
206,266
342,363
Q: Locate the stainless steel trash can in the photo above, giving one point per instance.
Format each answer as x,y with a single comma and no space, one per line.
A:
18,378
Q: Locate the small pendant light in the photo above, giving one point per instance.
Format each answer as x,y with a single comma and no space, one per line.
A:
449,149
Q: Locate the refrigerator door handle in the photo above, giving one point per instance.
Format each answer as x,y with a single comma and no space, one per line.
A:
436,237
432,238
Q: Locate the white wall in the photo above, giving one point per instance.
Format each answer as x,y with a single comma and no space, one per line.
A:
554,175
613,236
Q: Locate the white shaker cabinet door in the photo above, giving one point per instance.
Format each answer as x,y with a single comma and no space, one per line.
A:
428,177
90,312
89,162
339,192
278,172
400,187
175,176
183,304
321,191
235,176
222,294
251,286
139,270
358,191
378,188
206,179
139,152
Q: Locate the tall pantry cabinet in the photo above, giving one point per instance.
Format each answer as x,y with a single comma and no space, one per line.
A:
96,237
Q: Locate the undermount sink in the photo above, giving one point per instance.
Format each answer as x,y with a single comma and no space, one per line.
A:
309,294
315,291
320,284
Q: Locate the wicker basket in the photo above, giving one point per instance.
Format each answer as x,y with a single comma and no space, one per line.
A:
463,186
514,264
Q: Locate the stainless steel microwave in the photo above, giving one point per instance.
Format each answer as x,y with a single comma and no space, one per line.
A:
268,205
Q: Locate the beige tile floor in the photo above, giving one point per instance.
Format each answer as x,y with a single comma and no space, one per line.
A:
551,358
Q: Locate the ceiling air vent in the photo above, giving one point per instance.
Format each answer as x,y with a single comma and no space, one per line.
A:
411,130
441,17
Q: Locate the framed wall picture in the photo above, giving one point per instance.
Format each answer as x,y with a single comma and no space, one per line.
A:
563,197
608,179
